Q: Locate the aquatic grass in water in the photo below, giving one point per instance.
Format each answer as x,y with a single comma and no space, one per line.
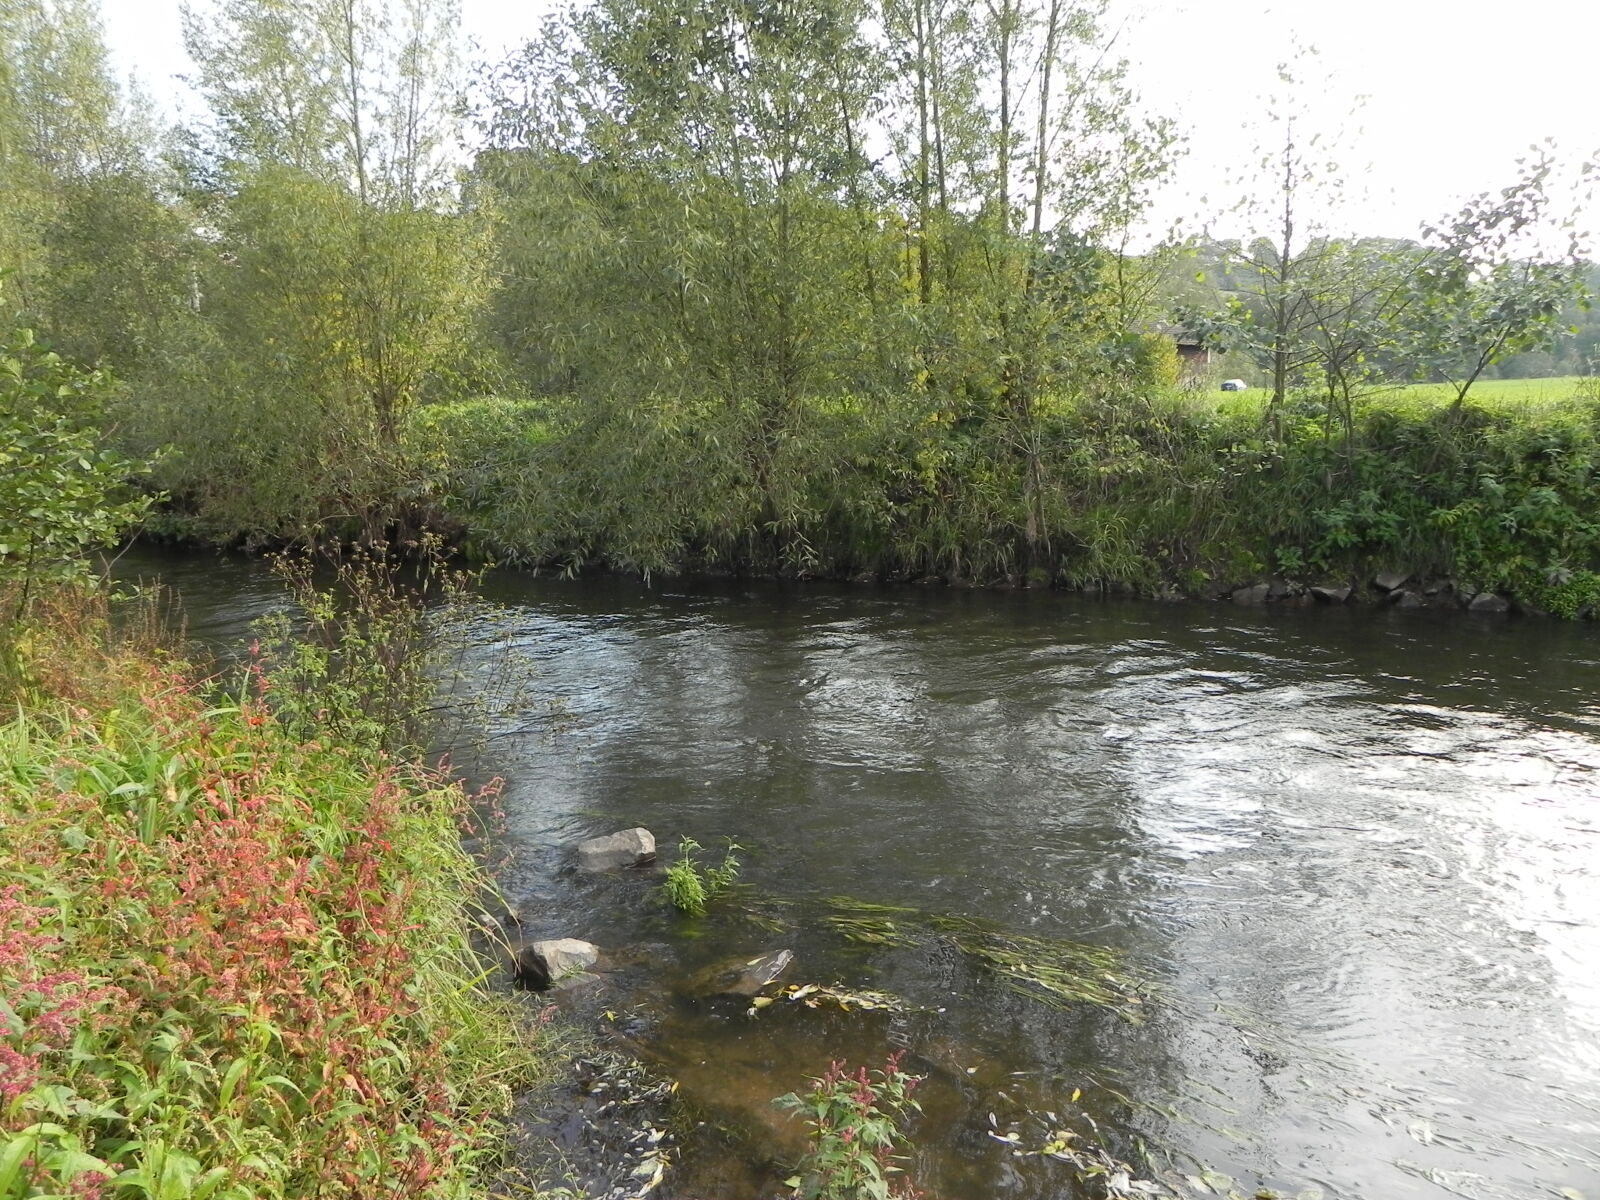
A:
815,995
689,889
869,931
1052,971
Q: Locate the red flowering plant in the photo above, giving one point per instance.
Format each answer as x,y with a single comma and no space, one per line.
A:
854,1120
234,963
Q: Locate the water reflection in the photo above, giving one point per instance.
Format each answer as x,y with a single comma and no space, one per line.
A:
1356,850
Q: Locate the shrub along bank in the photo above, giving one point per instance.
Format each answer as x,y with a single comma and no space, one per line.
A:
233,962
1153,492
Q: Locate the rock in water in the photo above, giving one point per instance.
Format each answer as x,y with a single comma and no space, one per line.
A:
1332,595
630,848
1489,602
1251,595
744,977
1391,581
539,965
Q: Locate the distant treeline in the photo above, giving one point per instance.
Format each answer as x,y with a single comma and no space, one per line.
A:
824,286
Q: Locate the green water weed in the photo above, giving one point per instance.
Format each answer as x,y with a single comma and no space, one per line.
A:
690,888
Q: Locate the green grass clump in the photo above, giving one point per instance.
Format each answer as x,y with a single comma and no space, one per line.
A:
233,963
689,888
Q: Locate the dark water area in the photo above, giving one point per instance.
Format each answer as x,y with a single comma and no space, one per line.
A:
1351,858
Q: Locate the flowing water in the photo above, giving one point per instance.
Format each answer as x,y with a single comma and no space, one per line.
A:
1348,861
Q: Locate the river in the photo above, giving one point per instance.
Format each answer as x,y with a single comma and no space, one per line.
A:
1348,862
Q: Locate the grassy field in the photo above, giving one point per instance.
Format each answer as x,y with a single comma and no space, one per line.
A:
1499,391
1415,397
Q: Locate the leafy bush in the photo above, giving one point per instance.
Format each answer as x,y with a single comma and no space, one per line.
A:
370,648
62,493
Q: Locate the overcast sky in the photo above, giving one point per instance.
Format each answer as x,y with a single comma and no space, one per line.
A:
1455,91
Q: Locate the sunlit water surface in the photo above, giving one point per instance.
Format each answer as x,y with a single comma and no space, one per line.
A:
1353,855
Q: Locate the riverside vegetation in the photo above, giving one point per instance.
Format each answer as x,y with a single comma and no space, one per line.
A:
234,930
842,287
236,914
236,954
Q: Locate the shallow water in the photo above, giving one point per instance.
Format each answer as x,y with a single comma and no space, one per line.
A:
1353,858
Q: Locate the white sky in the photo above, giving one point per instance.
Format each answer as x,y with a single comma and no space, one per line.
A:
1455,90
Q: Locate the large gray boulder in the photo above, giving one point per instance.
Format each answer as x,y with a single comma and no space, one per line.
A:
1332,595
630,848
1390,581
1489,602
541,965
1251,595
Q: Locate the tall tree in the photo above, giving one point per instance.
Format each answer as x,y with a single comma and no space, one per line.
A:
62,122
346,274
1495,281
715,223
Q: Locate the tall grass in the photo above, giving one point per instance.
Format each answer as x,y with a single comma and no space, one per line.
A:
233,962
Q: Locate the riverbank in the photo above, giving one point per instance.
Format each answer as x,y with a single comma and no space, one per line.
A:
1154,495
1167,493
237,962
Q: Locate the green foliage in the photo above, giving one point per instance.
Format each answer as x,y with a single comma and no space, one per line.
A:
1570,594
690,888
62,493
62,125
371,649
1479,295
854,1119
236,964
477,463
324,325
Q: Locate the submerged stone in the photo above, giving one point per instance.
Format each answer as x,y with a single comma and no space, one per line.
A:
629,848
743,977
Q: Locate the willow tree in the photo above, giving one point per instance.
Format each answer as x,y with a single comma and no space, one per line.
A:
345,275
691,219
63,122
1025,160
